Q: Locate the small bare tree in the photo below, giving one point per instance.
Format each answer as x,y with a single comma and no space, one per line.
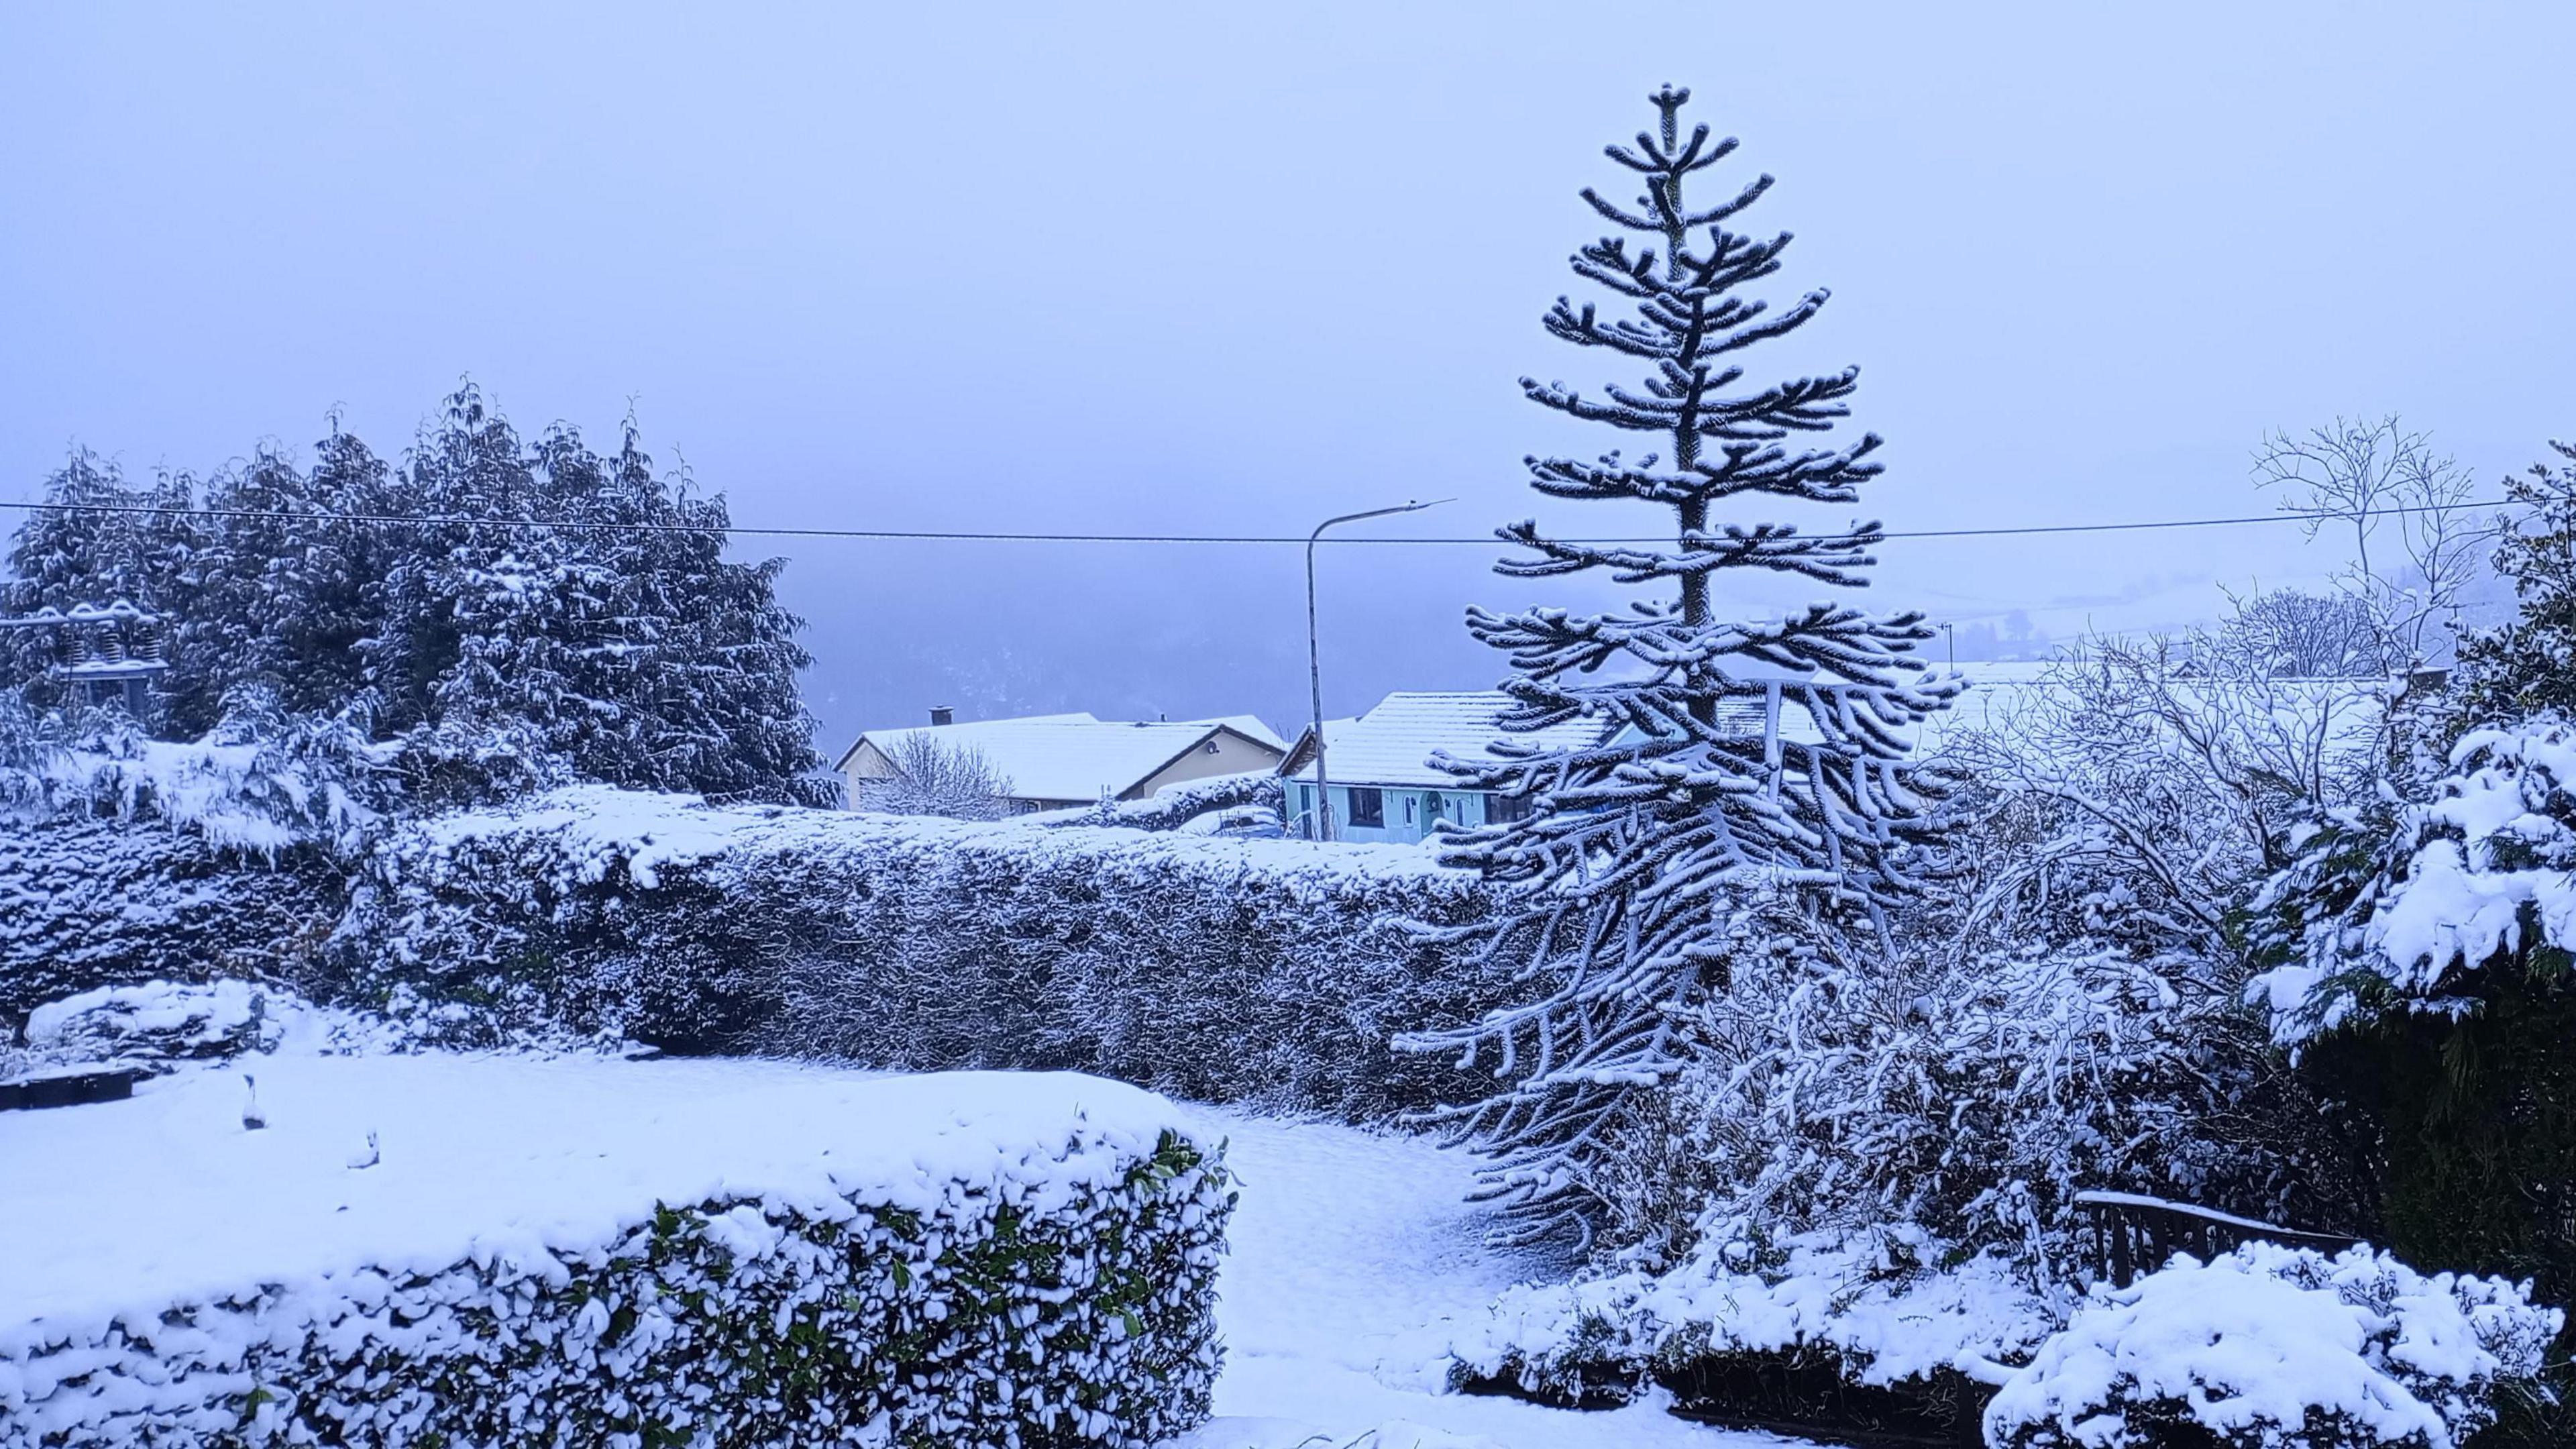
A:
2293,634
934,776
2181,766
2394,492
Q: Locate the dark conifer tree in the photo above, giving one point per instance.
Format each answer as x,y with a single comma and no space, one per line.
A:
2528,663
602,629
1635,854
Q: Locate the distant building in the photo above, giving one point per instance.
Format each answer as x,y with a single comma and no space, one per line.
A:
1061,761
1383,785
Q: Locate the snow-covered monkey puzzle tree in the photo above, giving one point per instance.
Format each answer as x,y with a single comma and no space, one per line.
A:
1632,865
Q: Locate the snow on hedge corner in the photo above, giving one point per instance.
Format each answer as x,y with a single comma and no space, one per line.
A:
2268,1347
447,1250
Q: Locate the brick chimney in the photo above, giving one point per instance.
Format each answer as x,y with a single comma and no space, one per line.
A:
941,714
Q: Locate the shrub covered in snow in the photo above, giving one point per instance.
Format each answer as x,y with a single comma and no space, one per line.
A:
679,1253
2268,1348
1227,970
155,1022
125,859
2421,970
1970,1097
1858,1198
2481,873
1891,1310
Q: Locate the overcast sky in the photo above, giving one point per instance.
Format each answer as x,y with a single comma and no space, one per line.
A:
1233,268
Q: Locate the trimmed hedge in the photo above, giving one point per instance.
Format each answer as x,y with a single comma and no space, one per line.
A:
1045,1316
1271,972
88,901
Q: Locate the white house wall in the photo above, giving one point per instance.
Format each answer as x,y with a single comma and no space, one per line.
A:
1224,753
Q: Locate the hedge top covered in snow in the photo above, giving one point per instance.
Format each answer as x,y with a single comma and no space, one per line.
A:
383,1164
599,826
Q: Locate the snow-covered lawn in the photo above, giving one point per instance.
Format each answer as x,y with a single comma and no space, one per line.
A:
1347,1250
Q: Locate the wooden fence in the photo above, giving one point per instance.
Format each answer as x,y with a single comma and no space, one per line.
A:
2134,1235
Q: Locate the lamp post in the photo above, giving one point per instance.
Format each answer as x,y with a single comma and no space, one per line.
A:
1315,658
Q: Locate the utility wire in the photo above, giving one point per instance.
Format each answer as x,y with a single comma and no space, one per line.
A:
402,520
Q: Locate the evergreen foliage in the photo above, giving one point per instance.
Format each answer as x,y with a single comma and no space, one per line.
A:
2420,963
1625,867
2528,664
612,636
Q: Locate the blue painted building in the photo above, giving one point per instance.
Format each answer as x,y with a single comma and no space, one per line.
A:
1384,787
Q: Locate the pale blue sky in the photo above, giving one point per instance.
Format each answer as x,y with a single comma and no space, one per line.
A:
1235,268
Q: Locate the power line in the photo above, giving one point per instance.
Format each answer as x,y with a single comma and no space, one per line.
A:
898,535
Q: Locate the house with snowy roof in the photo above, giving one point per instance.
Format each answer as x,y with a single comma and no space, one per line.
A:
1061,761
1384,787
1383,784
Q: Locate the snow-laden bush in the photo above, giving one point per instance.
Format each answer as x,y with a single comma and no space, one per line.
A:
1862,1187
125,859
2404,922
2421,971
2269,1347
260,782
677,1254
166,1026
1971,1097
1227,970
1881,1309
86,902
156,1023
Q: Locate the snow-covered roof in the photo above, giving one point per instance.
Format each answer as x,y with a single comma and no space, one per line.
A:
1068,756
1392,744
1249,726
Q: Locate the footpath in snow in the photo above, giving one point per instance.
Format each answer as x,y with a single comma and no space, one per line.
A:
1348,1250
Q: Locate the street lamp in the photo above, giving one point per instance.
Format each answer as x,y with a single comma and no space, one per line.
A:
1315,657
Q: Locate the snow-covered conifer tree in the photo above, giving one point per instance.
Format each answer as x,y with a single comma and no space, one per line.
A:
2528,663
1634,855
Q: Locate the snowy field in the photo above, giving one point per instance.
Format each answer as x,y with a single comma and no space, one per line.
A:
1348,1251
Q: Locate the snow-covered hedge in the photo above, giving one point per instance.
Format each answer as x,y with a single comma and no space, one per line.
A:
1228,970
126,859
87,902
434,1250
154,1023
2269,1348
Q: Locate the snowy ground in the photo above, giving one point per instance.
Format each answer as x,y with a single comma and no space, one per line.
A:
1347,1251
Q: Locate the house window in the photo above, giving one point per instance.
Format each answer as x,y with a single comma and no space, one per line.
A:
1431,808
1502,809
1368,807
